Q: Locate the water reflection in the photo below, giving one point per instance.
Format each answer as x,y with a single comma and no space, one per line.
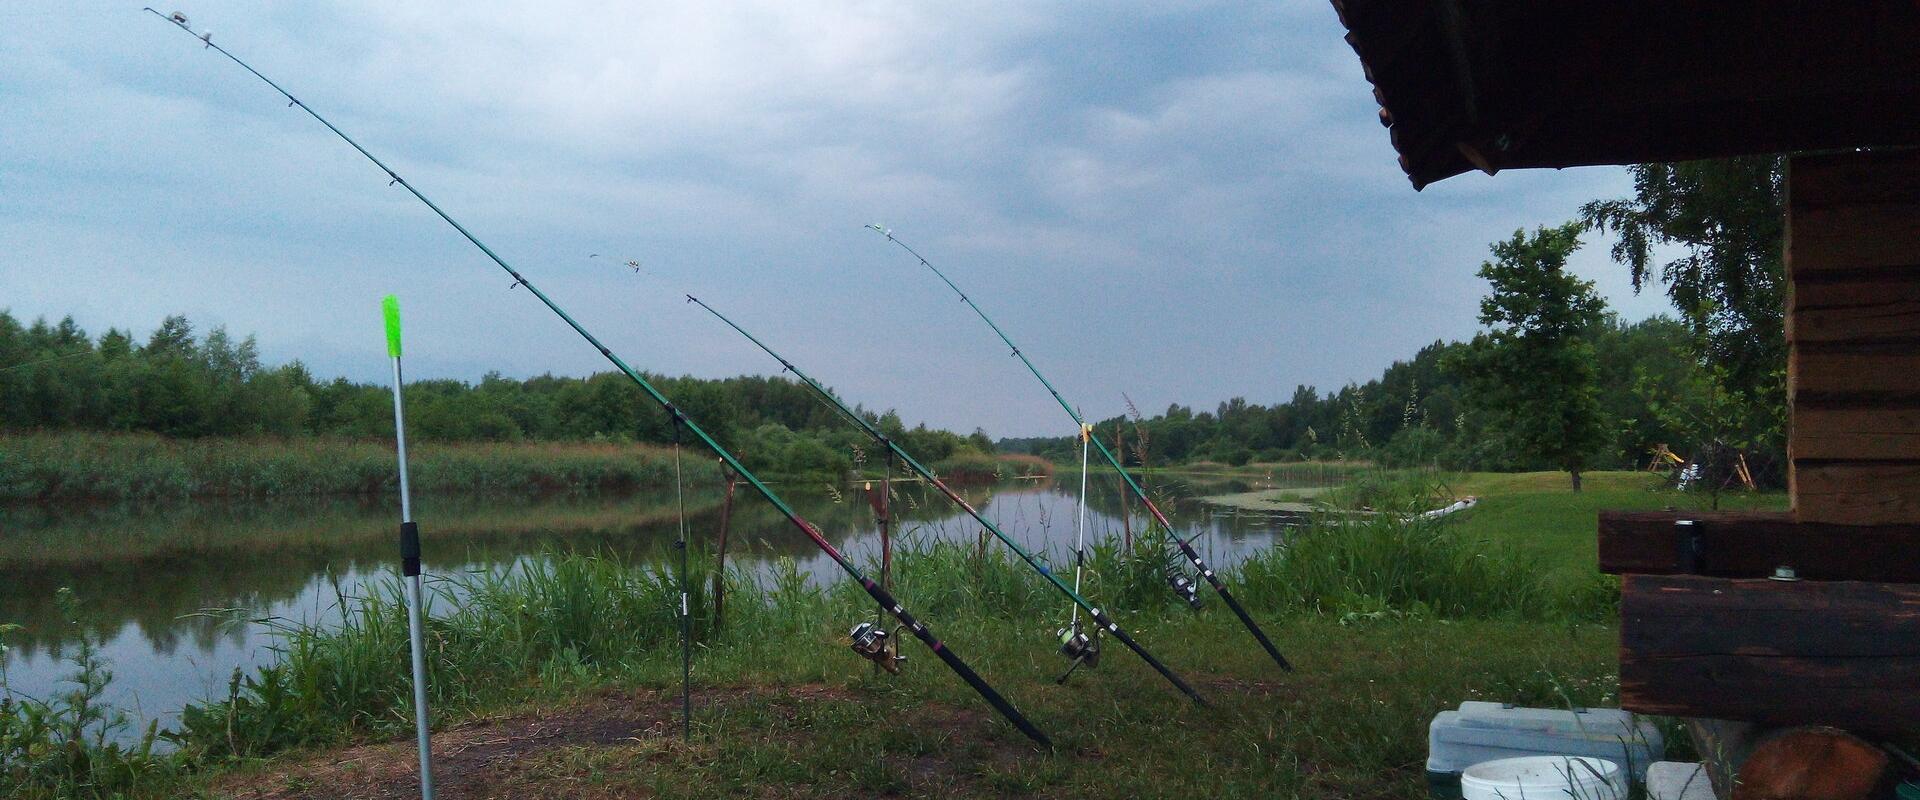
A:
145,573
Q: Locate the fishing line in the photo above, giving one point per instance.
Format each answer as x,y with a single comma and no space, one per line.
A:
1098,616
1186,548
880,595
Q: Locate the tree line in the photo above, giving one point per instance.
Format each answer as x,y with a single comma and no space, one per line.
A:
57,377
1555,381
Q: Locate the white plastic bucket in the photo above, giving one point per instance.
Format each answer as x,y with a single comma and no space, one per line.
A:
1544,778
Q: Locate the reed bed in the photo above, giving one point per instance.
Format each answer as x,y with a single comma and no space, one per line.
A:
103,466
982,468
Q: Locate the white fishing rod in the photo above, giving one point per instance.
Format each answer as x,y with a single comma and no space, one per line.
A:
409,554
1080,526
1072,638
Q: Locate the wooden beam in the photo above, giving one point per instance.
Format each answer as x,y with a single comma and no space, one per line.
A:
1782,653
1748,544
1873,305
1839,369
1888,433
1868,492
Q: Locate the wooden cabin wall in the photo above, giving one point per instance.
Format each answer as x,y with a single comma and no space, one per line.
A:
1853,335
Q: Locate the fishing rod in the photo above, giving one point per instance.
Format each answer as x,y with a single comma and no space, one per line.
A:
1179,583
409,553
1089,655
879,595
1073,647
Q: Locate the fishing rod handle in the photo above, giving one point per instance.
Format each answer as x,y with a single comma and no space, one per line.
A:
953,662
1232,602
1101,619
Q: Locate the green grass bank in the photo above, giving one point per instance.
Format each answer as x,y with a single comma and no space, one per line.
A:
1387,620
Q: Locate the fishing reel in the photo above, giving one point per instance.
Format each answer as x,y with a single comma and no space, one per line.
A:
874,643
1185,587
1080,648
1076,645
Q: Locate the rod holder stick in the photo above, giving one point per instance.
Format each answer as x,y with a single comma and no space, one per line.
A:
409,553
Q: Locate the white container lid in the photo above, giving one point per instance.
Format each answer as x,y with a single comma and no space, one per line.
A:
1573,777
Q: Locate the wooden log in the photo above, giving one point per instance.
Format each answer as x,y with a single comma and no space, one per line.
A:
1862,493
1871,433
1887,176
1783,653
1829,370
1817,763
1853,211
1750,544
1864,306
1853,237
1722,745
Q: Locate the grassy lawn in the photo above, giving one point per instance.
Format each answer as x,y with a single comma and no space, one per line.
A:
1539,514
811,722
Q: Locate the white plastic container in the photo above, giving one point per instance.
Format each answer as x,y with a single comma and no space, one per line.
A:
1544,778
1480,731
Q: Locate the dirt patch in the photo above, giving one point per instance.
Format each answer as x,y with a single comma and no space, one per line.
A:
469,759
531,754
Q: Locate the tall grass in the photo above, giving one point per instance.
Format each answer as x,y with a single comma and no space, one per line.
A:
1373,553
979,468
65,745
102,466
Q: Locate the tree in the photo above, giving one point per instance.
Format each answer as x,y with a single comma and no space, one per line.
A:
1535,365
1727,282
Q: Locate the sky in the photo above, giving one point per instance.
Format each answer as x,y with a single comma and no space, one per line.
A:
1171,202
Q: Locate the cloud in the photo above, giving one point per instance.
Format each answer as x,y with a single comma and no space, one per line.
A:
1183,203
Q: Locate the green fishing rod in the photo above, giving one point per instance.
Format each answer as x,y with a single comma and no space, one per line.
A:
680,419
1180,584
1074,646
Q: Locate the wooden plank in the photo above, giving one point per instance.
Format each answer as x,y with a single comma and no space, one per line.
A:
1853,237
1783,653
1751,544
1885,176
1890,369
1866,307
1856,493
1855,433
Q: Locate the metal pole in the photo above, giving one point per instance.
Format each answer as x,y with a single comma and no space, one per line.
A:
410,556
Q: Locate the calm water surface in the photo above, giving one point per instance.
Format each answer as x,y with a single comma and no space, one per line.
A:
161,586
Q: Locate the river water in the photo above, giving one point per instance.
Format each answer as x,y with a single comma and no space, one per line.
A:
161,586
